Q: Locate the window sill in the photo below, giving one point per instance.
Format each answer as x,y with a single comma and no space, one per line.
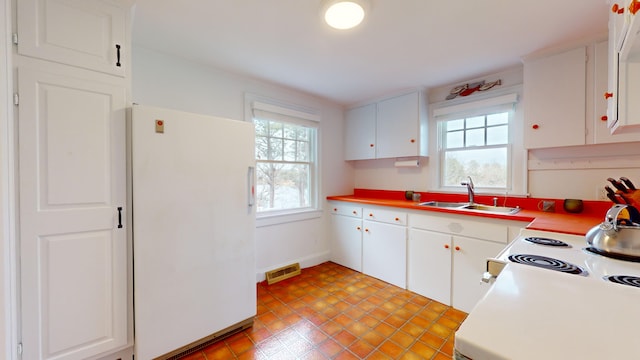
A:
286,217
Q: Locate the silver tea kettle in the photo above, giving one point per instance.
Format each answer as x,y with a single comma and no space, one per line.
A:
621,237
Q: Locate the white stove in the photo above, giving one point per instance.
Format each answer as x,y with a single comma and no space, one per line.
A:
552,299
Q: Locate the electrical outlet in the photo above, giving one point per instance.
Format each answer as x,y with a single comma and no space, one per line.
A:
601,193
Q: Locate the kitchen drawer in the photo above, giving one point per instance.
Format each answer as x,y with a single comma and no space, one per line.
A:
385,215
487,229
346,210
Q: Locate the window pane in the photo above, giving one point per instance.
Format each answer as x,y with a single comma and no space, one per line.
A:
262,148
497,135
455,139
303,151
475,122
303,133
275,149
487,167
455,124
290,150
475,137
290,131
282,186
262,127
275,129
497,119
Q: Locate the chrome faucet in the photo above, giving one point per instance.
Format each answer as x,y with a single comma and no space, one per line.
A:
469,184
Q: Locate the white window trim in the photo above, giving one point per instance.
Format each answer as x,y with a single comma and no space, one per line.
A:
465,107
255,104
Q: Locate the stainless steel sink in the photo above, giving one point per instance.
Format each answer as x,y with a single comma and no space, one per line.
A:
443,204
474,207
491,209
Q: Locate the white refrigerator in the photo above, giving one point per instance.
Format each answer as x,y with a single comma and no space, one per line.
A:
193,229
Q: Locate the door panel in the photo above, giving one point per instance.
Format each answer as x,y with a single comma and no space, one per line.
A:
72,180
82,33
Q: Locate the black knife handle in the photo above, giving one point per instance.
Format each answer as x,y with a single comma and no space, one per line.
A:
119,217
618,185
628,182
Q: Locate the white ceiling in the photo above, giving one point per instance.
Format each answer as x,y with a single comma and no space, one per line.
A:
402,43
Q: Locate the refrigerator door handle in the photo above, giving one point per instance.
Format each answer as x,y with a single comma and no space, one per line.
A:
251,186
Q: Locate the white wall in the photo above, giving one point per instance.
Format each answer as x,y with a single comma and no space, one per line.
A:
167,81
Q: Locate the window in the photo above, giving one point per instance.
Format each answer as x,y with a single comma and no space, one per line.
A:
476,139
476,146
285,160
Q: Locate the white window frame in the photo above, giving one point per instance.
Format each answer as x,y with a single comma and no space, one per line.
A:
257,106
517,155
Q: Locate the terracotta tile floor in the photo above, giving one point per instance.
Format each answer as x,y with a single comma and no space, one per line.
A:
332,312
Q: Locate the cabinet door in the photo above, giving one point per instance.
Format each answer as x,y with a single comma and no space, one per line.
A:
429,264
360,133
73,244
346,241
83,33
602,133
384,252
554,100
469,263
398,126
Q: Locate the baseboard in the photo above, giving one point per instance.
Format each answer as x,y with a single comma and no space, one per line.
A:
304,262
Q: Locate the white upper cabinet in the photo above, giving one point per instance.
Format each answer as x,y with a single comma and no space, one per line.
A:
390,128
601,133
624,67
90,34
398,126
554,99
360,133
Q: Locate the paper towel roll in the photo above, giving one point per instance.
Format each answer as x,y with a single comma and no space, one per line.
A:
407,163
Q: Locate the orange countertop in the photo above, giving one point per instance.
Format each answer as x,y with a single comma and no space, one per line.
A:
558,221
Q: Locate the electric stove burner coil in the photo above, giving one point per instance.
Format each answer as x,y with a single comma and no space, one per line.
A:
616,256
547,263
624,280
546,241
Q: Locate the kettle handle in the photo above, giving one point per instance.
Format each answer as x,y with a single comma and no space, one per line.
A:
614,212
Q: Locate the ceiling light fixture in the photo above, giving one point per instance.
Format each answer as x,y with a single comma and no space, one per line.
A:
344,14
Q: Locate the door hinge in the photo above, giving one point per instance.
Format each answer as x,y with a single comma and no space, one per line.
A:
16,99
14,38
19,348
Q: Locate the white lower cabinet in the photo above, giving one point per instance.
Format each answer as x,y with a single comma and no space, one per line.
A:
384,252
447,254
469,259
429,264
346,236
384,245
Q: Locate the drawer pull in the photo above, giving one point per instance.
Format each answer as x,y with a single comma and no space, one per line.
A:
457,248
397,219
355,212
446,246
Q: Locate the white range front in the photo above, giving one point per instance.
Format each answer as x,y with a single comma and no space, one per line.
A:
533,312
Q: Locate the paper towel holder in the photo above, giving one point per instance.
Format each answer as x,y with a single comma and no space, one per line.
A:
407,162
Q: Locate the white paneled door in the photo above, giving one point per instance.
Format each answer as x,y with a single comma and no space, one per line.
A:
73,248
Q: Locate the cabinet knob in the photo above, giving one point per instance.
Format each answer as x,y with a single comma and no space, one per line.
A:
370,215
358,228
370,145
413,140
397,219
535,126
634,6
617,9
457,248
446,246
608,95
604,118
366,230
334,209
355,212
